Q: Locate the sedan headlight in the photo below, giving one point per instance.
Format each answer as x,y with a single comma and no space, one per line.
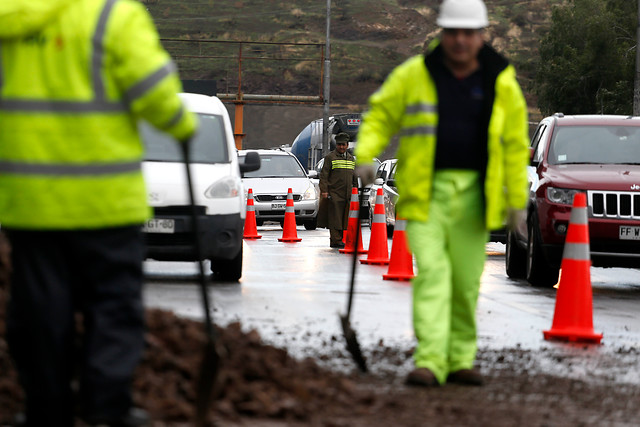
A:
224,188
561,196
311,193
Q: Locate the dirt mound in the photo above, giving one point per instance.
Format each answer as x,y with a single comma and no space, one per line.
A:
256,379
261,385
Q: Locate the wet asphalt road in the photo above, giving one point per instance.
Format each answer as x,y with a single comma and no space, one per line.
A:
292,294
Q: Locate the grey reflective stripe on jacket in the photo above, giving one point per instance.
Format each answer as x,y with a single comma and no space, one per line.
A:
176,118
140,88
98,51
29,168
421,108
41,106
418,130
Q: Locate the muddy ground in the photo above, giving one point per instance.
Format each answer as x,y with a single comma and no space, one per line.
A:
261,385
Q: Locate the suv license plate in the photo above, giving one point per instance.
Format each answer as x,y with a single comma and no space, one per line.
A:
629,233
159,226
278,206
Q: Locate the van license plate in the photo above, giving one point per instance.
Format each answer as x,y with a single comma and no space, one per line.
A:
629,233
159,226
278,206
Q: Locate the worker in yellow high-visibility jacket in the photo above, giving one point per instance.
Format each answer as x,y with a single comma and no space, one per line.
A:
75,77
462,124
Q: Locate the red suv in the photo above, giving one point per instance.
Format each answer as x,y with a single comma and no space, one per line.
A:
596,155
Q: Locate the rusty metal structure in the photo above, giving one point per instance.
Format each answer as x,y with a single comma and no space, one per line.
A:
239,98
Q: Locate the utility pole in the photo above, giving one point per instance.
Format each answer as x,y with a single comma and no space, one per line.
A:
636,86
326,86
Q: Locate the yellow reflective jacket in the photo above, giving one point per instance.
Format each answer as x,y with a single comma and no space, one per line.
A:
406,105
75,77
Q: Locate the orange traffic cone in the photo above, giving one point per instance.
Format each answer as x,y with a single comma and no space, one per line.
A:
401,260
250,229
573,317
378,246
289,231
352,226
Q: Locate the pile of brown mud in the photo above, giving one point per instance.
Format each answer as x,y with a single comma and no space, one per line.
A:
255,380
261,385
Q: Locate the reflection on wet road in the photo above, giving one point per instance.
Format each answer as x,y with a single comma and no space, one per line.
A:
292,294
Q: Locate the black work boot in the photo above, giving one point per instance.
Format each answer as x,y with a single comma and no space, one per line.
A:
422,377
466,377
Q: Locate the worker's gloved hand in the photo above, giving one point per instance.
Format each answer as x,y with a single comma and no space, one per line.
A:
515,217
366,172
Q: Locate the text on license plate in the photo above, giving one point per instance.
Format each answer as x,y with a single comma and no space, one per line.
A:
629,233
278,206
159,226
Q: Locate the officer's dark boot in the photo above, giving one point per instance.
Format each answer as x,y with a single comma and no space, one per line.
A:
335,238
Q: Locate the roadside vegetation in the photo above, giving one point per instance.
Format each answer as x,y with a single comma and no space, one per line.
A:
587,59
368,39
574,56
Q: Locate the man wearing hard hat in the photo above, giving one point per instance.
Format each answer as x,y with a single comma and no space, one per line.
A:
461,120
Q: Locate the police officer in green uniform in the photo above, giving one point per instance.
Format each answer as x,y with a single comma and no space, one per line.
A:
75,76
336,182
461,119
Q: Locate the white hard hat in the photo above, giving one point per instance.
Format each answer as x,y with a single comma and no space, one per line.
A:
470,14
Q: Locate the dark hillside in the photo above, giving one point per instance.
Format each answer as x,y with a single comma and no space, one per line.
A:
368,39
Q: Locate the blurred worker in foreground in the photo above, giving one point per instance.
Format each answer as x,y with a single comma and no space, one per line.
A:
336,181
75,75
462,122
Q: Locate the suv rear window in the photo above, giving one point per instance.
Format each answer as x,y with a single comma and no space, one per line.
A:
208,146
277,167
595,144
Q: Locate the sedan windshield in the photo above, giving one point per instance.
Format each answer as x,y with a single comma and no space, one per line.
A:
208,146
595,144
277,167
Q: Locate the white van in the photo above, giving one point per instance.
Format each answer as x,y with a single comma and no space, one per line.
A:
218,191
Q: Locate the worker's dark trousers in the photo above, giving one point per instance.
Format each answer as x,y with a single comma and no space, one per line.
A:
99,274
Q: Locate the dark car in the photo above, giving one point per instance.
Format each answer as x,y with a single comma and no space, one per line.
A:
595,155
385,178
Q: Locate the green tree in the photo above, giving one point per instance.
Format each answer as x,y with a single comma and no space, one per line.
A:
587,59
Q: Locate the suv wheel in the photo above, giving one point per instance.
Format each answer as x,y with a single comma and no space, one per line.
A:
539,271
515,258
227,270
311,224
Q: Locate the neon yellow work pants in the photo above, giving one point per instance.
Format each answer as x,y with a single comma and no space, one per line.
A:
450,253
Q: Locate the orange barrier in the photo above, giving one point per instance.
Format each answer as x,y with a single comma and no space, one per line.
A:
573,317
352,226
378,246
289,230
401,260
250,229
